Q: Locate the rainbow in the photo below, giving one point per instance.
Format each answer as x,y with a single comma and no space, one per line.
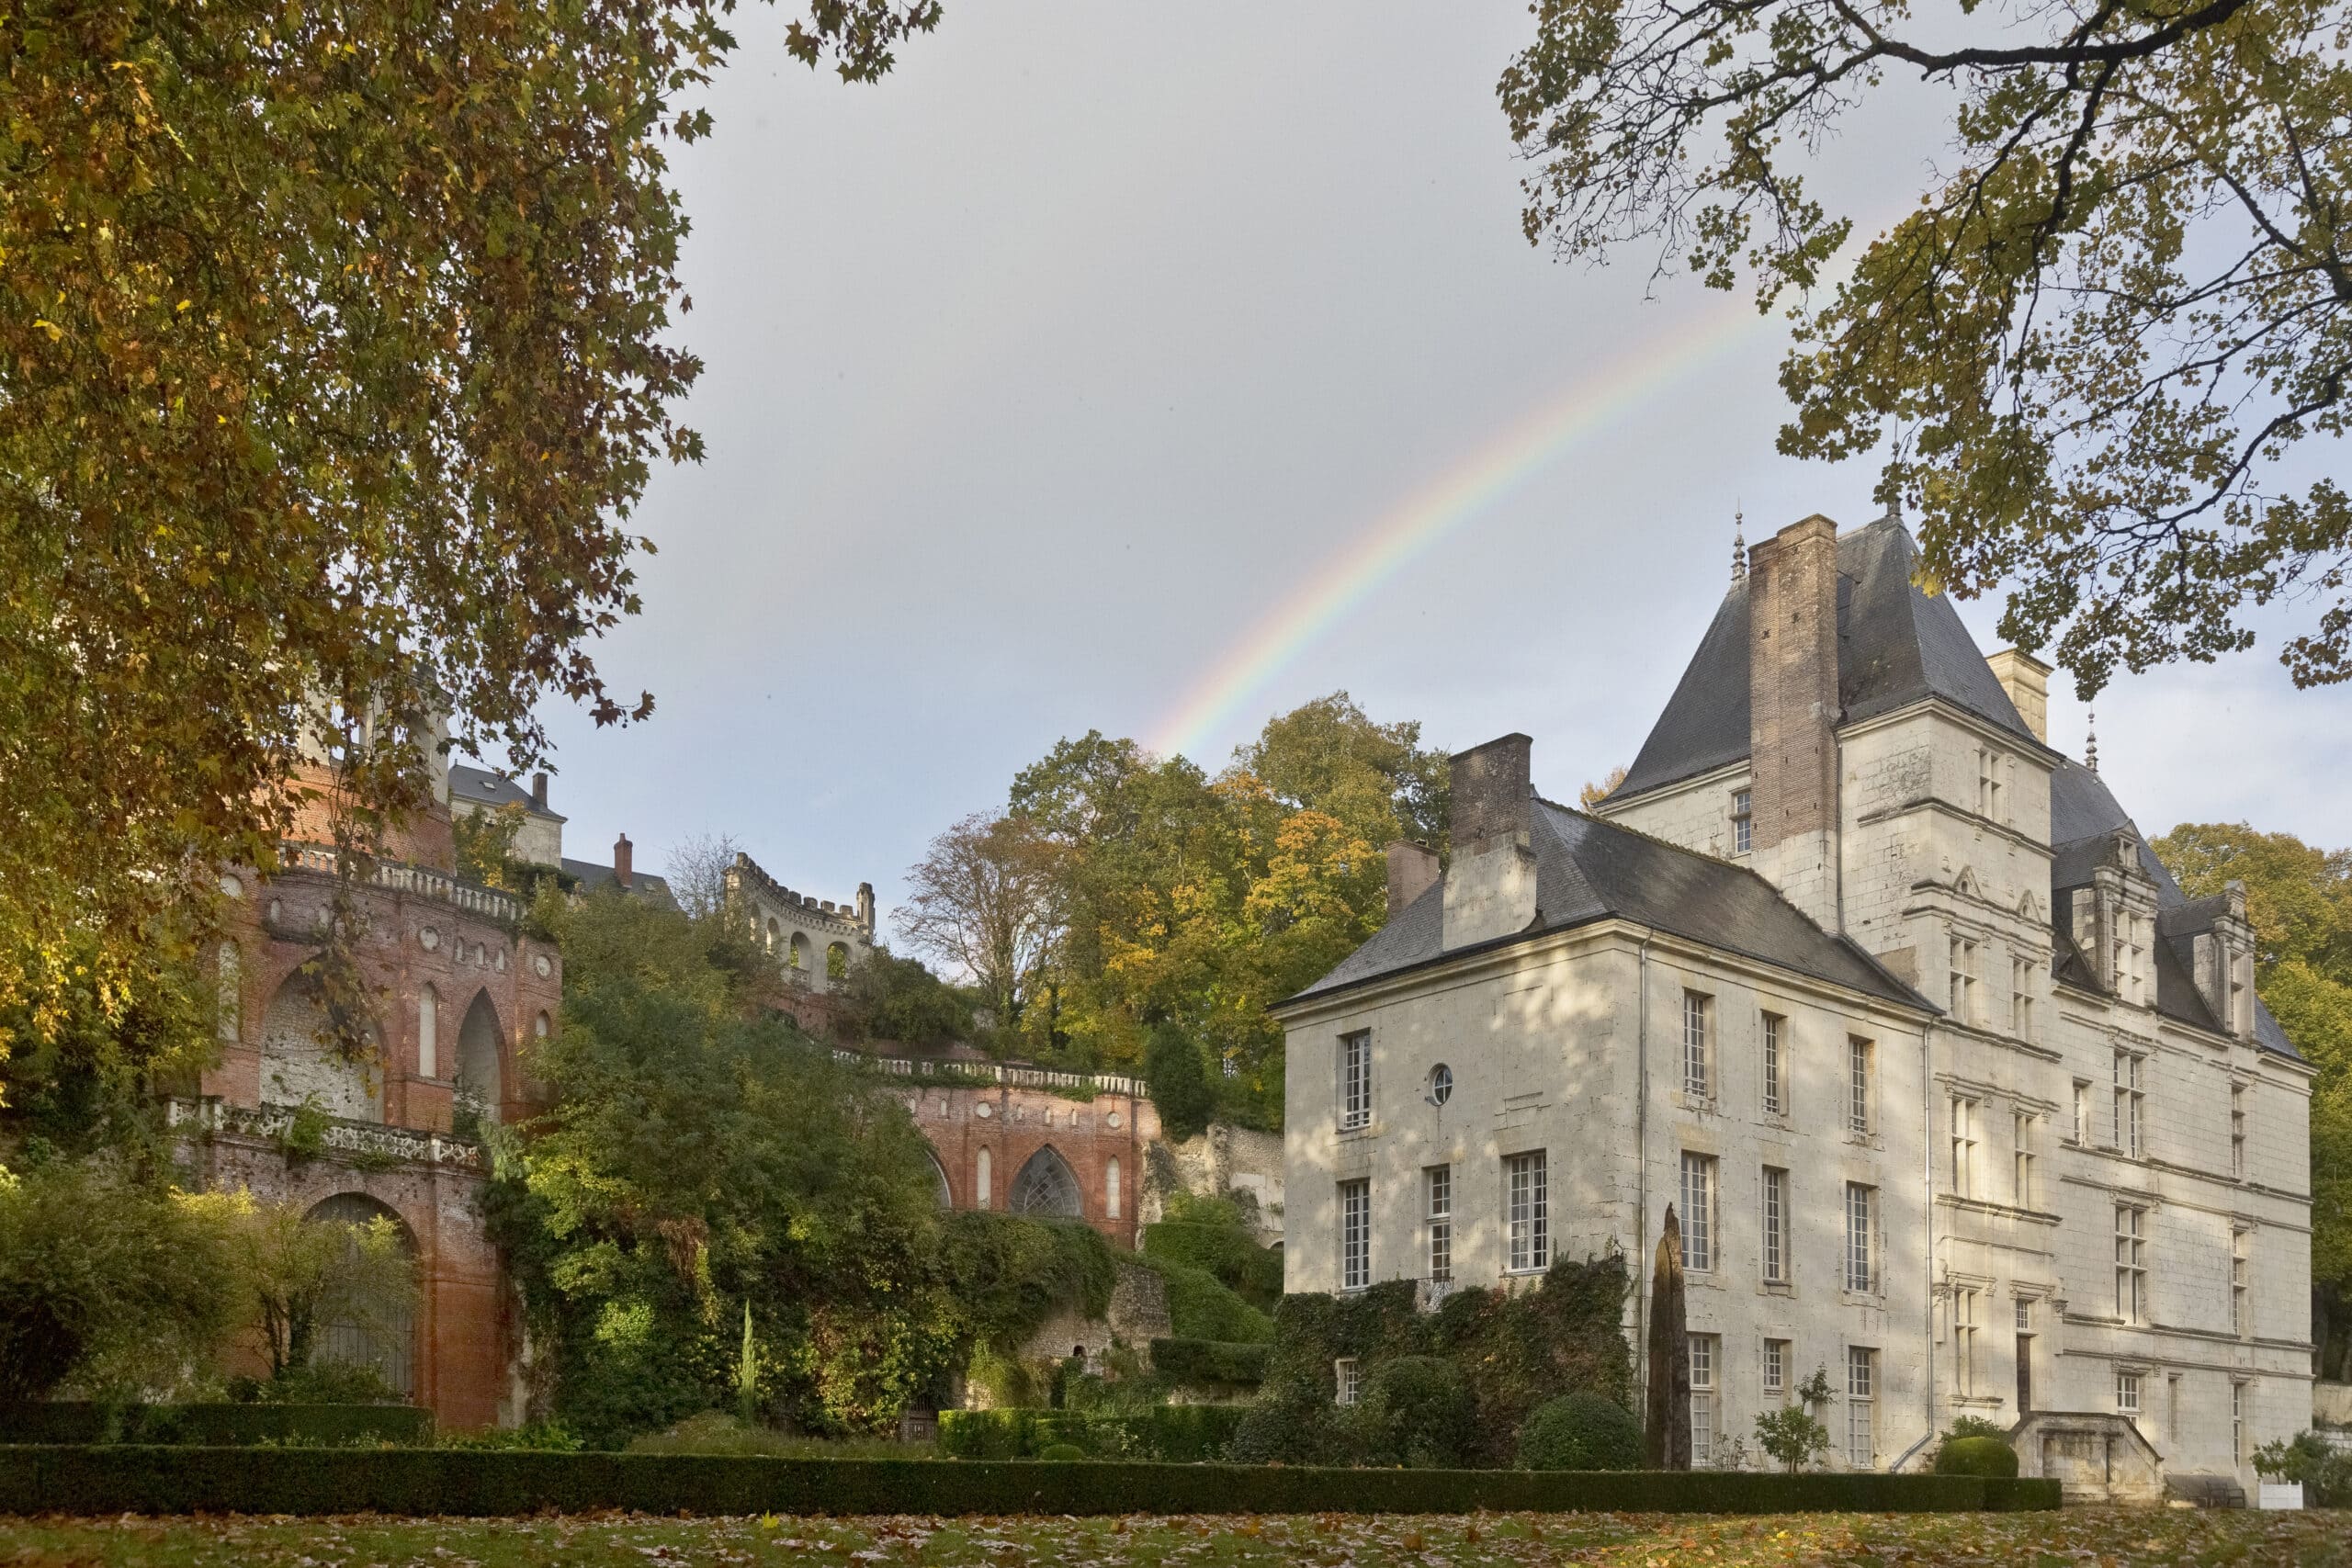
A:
1408,530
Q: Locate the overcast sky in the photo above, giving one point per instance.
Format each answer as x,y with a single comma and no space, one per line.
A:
1069,377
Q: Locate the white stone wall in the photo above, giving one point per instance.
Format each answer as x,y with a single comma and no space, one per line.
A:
1695,813
1547,1046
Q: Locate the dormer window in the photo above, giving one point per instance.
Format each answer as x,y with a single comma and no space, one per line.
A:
1743,822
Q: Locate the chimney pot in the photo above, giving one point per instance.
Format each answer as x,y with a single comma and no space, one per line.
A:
1493,792
539,791
621,869
1413,869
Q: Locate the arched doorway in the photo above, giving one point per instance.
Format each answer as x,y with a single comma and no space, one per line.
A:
1046,1186
371,1329
299,1066
480,1079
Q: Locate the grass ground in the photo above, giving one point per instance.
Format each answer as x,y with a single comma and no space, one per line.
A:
2076,1537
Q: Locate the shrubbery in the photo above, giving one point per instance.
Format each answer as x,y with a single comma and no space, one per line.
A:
1418,1411
1180,1434
1976,1456
2324,1470
1208,1363
1580,1431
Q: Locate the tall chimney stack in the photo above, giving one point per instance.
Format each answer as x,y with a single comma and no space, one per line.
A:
2026,680
539,791
620,860
1413,869
1490,887
1793,714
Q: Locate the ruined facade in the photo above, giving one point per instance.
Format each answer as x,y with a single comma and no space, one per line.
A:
1958,1098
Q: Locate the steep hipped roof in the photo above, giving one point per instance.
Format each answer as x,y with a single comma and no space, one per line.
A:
644,885
2083,812
1896,646
1588,870
481,785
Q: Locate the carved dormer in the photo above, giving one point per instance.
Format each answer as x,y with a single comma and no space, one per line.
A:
2224,963
2113,920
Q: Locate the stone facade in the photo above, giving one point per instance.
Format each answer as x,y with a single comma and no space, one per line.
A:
815,942
2090,1149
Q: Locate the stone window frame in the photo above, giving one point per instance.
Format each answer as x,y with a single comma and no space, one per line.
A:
1862,1087
1355,1234
2132,1262
1437,1208
1862,1406
1774,1369
1861,1261
1966,1335
1347,1379
1355,1080
1703,1353
1700,1185
1963,1110
1743,821
1698,1045
1773,1062
1527,1212
1773,1226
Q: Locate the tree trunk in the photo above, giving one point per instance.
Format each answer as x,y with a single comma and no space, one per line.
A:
1666,1426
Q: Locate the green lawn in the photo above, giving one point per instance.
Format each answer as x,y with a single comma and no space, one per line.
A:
2077,1538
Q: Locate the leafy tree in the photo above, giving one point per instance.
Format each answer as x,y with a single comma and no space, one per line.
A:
289,1274
986,899
899,1000
696,871
337,347
2299,900
2095,337
1180,1090
1666,1421
1793,1435
106,1281
485,845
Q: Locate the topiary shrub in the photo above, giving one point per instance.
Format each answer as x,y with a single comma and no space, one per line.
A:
1976,1456
1580,1431
1417,1411
1060,1453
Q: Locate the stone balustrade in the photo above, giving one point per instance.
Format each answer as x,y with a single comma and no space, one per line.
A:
1011,1074
209,1114
417,881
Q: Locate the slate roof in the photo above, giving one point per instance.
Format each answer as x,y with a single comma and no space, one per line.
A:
474,784
1896,646
2083,811
643,883
1588,870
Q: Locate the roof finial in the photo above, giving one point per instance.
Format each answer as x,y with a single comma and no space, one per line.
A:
1738,546
2090,742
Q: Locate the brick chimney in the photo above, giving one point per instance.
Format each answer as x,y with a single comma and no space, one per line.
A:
1490,887
539,791
1412,868
620,860
2026,680
1792,714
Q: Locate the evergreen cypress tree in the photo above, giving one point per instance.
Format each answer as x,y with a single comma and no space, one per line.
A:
1666,1425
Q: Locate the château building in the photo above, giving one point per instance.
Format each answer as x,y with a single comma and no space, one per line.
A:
1957,1098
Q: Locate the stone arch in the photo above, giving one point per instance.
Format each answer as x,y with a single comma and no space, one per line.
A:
480,1047
837,960
804,956
775,933
946,1198
380,1333
1045,1186
298,1064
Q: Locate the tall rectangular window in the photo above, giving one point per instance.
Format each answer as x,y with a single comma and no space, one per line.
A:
2237,1131
1355,1080
1964,1342
2237,1423
2021,1159
1775,1094
2240,1304
2127,1104
1776,1368
1743,822
1698,1213
2083,1111
1861,1237
2131,1270
1775,1227
1527,1223
1355,1235
1861,1408
1347,1379
1437,1183
1696,1074
2021,997
1964,1146
1860,1072
1704,1352
1964,981
1989,785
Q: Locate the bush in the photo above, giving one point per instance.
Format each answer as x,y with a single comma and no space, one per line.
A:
1061,1454
1580,1431
1174,1434
1209,1363
2324,1470
109,1480
215,1425
1201,1307
1793,1435
1417,1411
1976,1456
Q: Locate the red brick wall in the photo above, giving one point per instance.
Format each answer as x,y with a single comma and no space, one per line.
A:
1013,1123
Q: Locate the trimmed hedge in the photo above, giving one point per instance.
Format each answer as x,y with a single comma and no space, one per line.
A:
215,1425
1976,1456
1581,1431
1210,1363
1172,1434
101,1480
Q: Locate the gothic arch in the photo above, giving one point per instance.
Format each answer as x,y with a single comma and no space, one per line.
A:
297,1064
481,1050
379,1332
1045,1186
939,1181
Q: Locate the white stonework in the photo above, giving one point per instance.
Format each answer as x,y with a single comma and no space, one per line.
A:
2153,1262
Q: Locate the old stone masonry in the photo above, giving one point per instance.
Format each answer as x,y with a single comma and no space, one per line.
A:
1958,1099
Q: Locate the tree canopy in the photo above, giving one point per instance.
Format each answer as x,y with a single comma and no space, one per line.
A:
337,347
2298,900
2094,340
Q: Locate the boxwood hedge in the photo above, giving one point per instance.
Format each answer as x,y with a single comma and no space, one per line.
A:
1209,1363
215,1425
127,1479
